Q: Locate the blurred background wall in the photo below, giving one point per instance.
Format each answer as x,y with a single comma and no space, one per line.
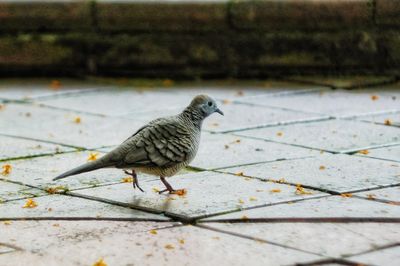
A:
199,39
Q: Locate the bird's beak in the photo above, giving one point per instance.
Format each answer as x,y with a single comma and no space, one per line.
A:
219,111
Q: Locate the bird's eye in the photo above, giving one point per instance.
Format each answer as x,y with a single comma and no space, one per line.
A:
209,103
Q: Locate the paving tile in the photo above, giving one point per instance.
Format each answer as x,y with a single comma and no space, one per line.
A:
15,147
34,89
392,119
224,150
38,236
387,256
121,102
339,136
391,194
338,103
345,81
325,207
11,191
60,206
338,173
123,244
327,239
207,193
59,126
40,171
386,153
242,116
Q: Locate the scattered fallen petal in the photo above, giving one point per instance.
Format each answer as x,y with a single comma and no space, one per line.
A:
153,231
371,196
169,246
252,198
6,169
30,203
346,195
56,225
226,102
241,201
100,262
156,190
244,217
301,191
7,222
93,156
55,84
275,190
240,174
388,122
279,134
77,120
182,241
322,167
374,97
365,152
54,190
2,107
127,179
180,192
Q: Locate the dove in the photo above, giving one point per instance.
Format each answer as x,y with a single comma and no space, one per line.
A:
161,148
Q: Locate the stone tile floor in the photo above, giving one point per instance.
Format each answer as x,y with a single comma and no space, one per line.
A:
293,174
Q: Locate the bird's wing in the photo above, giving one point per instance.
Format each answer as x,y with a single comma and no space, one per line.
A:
163,143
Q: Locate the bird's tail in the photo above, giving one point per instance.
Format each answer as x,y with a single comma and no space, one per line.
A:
87,167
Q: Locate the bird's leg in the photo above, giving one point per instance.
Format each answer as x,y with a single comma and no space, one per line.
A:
167,185
135,182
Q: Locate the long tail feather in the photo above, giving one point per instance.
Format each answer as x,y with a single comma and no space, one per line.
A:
87,167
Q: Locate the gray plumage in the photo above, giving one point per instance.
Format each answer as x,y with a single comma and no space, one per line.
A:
162,147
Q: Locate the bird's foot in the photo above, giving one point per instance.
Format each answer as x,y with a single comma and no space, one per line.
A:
179,192
135,181
170,190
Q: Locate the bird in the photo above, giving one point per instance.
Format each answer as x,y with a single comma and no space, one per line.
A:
160,148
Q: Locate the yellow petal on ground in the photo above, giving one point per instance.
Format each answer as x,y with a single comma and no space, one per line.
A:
182,241
30,203
156,190
7,222
241,201
127,179
55,84
252,198
6,169
322,167
169,246
100,262
279,134
346,195
77,120
275,190
93,156
374,97
388,122
153,231
301,191
371,196
365,152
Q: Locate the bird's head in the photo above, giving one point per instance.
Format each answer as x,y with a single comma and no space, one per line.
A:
205,105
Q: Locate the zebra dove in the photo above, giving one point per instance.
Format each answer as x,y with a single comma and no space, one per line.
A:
162,147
